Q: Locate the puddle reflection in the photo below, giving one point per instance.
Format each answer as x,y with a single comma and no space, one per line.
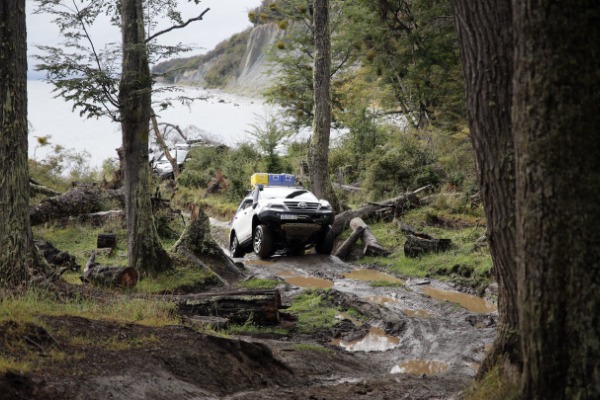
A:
375,340
372,276
472,303
419,367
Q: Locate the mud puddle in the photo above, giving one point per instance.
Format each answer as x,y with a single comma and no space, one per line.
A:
370,275
375,340
307,282
420,367
472,303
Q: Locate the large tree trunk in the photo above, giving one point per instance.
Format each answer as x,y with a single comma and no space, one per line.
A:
318,150
557,126
18,255
485,38
144,248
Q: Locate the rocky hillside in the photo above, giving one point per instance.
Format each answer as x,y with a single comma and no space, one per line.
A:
239,64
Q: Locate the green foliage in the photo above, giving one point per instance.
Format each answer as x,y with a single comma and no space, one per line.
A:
268,134
401,164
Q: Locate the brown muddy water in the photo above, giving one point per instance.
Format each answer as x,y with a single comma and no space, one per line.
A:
419,367
308,282
472,303
375,340
372,276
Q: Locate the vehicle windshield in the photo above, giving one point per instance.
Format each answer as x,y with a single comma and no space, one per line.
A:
287,193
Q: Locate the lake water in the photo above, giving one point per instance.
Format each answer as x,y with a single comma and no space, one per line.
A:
224,117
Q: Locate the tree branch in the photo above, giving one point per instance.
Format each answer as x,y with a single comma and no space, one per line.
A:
189,21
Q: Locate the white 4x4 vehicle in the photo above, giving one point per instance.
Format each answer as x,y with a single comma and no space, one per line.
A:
274,218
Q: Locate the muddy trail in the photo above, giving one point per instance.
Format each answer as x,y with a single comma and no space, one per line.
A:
414,339
417,332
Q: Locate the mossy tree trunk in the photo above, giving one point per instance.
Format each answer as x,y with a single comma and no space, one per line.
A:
318,150
557,125
19,259
485,39
144,248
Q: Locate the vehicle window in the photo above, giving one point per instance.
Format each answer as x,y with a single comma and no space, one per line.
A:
246,204
296,194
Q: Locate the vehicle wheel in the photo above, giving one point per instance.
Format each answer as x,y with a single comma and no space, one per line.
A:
324,243
262,241
234,247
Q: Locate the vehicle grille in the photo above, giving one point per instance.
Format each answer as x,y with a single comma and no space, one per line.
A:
293,205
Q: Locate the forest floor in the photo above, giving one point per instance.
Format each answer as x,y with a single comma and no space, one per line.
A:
390,338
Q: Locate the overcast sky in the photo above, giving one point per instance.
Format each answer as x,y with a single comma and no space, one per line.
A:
225,18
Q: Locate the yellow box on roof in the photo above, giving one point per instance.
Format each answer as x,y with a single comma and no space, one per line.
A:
259,178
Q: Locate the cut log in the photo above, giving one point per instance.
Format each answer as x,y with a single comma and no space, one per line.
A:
108,276
36,188
255,306
197,244
344,250
106,241
372,246
111,277
342,220
416,246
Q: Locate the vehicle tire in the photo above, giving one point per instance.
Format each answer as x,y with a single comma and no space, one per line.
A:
324,243
234,247
262,241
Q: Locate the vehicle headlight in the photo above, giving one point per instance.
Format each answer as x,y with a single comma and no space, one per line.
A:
324,205
275,206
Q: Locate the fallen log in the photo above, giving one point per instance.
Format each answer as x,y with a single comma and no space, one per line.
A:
103,217
342,220
81,200
36,188
255,306
372,246
108,276
416,246
59,259
197,244
343,251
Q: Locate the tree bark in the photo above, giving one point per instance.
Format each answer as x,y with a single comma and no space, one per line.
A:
556,126
485,40
145,251
197,244
372,246
19,259
78,201
342,220
318,149
258,306
343,251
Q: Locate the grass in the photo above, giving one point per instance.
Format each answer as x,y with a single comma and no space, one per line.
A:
312,347
180,278
467,263
256,283
493,387
33,304
313,312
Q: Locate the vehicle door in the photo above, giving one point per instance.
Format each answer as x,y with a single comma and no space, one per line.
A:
243,221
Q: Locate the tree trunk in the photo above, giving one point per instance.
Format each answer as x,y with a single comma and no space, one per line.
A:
19,259
556,126
111,277
318,149
144,249
485,39
197,244
163,146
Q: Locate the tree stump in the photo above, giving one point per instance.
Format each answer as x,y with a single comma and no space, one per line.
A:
415,246
106,241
